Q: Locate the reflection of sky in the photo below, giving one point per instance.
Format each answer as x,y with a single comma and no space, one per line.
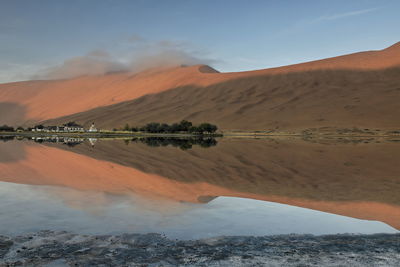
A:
25,208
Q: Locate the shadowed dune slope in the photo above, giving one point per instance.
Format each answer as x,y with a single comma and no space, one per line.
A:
45,100
11,112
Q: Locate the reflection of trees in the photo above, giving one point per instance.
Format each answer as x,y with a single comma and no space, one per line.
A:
153,141
71,142
7,138
182,143
183,126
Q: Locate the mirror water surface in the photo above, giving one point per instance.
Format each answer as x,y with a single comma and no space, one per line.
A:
196,188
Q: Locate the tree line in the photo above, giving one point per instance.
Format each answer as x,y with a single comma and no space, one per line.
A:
183,126
6,128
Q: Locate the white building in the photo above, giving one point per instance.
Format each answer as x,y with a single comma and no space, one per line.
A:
69,127
92,128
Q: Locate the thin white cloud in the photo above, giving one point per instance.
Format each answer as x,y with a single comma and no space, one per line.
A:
344,15
139,55
96,62
304,24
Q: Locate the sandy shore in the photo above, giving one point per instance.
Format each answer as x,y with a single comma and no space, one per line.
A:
48,248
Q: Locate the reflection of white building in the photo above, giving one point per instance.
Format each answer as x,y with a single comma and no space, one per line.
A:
92,141
92,128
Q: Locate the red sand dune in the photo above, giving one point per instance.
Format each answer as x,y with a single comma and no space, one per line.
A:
42,100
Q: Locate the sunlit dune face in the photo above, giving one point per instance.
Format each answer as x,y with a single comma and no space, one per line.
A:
42,165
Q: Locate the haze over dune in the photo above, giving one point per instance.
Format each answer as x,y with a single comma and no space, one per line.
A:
360,89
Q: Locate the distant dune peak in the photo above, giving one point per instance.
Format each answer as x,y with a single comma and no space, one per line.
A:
207,69
396,46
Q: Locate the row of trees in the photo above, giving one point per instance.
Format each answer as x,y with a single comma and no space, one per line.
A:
6,128
68,124
183,126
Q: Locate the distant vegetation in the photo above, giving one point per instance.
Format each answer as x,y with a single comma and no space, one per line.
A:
72,124
6,128
182,127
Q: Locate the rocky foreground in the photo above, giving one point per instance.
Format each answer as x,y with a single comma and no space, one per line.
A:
48,248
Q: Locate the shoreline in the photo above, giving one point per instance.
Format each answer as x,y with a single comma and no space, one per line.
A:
106,134
228,134
68,249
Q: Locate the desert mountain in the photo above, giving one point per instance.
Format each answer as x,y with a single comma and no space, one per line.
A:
356,90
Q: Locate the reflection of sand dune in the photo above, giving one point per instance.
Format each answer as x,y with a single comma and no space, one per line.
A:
52,166
359,181
291,168
10,152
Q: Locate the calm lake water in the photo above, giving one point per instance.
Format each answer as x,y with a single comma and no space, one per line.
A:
190,189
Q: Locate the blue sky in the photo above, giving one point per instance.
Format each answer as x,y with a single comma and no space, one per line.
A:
36,36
